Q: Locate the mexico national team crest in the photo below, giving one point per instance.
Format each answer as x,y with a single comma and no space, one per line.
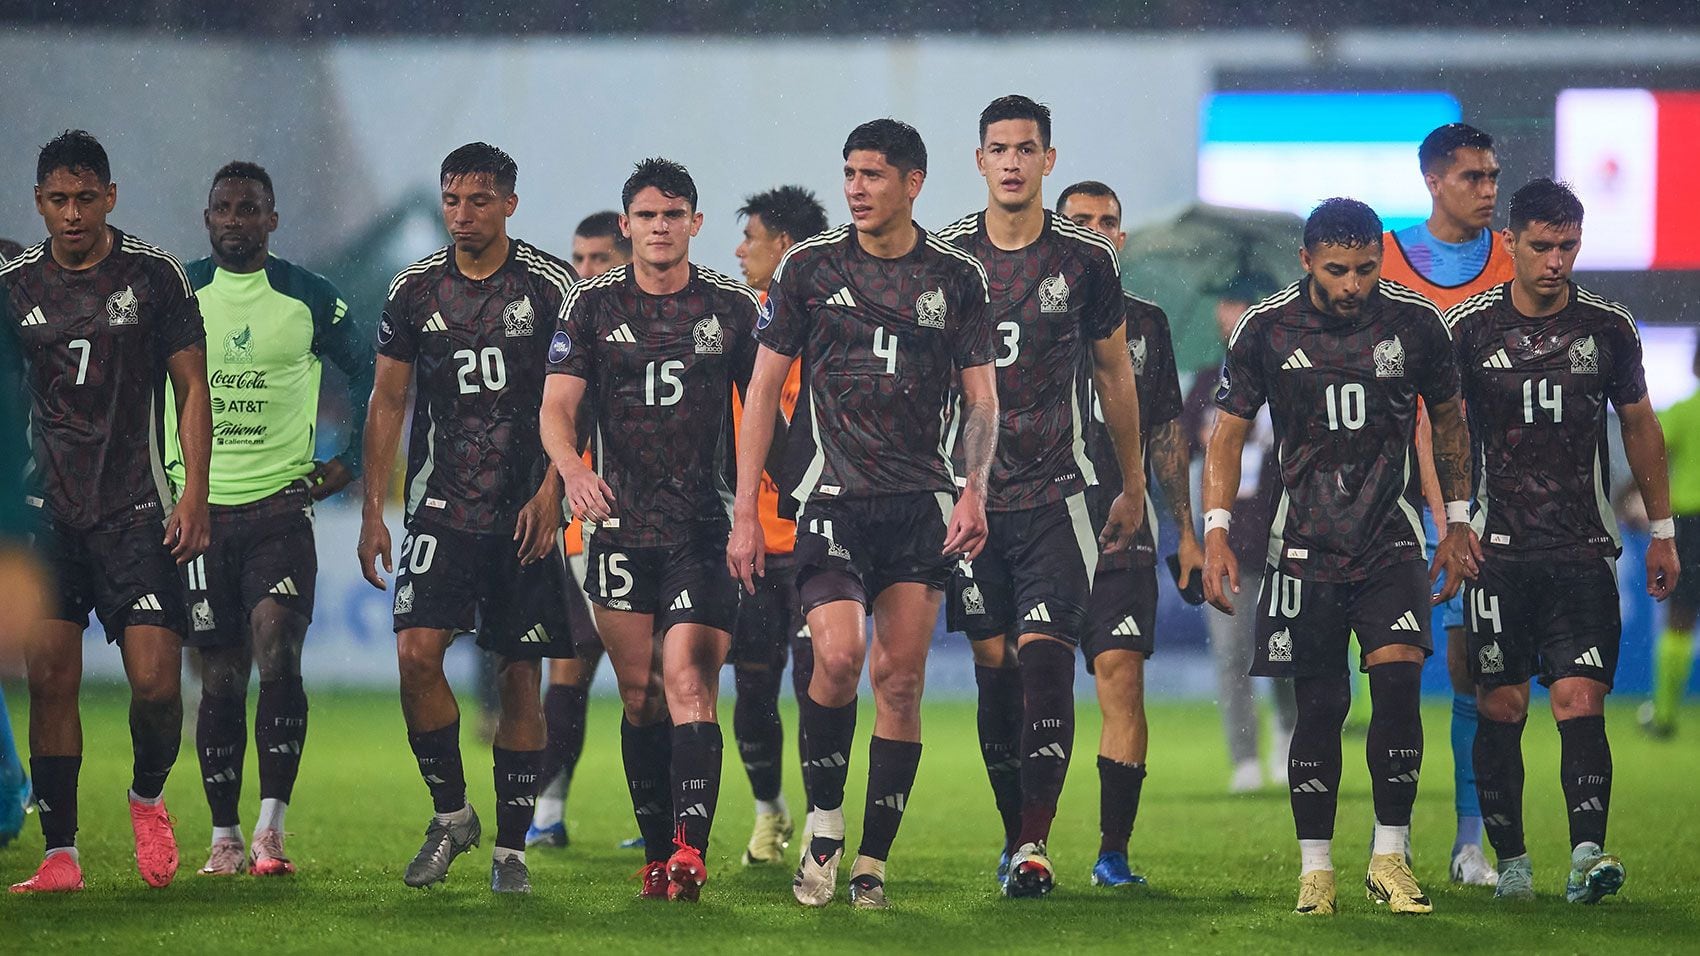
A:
239,345
707,337
1281,647
404,599
1585,356
973,602
122,307
1136,351
1491,659
1053,294
519,318
202,615
1390,358
929,309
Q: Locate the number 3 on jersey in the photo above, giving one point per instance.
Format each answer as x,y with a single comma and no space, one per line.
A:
1011,345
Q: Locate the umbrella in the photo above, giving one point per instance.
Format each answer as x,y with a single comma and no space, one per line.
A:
1185,261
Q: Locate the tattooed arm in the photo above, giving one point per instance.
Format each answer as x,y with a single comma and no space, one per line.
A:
1169,464
1459,553
967,531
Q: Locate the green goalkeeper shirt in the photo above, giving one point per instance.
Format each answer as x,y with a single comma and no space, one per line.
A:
267,333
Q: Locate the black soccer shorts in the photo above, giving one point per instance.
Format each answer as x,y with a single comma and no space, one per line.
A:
1687,593
1303,627
126,576
683,584
1122,613
587,641
260,551
1543,618
459,581
770,619
1033,577
877,542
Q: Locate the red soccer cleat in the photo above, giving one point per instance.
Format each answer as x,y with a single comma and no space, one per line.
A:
267,854
156,845
654,877
686,873
58,873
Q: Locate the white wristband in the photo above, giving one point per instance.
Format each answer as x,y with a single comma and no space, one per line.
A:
1217,518
1457,512
1662,529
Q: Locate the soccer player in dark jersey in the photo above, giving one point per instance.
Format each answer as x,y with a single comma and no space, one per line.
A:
96,321
885,317
483,505
656,347
1541,358
598,245
771,620
1057,305
273,324
1342,357
1121,616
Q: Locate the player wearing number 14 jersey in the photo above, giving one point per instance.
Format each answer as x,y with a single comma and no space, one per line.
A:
1541,358
483,508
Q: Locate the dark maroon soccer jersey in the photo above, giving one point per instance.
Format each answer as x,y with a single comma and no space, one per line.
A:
1536,390
478,347
93,346
1342,394
660,371
1152,350
1049,302
881,341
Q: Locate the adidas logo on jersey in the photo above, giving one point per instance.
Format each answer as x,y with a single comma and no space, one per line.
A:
1409,776
973,602
930,309
1407,622
286,586
1590,805
34,318
147,602
1053,294
1498,360
1312,785
1039,613
1585,356
682,602
623,335
1389,358
201,616
842,298
404,599
1053,750
707,337
1491,660
1297,360
1281,647
1591,658
519,318
1127,628
896,801
537,635
435,323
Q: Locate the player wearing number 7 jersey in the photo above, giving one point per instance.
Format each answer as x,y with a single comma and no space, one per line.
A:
483,505
1342,357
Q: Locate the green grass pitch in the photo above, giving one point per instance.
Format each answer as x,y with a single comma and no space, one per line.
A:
1223,869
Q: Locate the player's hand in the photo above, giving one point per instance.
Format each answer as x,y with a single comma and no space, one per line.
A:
967,532
1663,568
1219,563
374,546
746,553
1126,517
537,527
1191,556
1459,556
188,531
327,478
587,494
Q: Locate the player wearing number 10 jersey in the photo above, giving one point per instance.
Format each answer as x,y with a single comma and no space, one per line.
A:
483,507
1541,358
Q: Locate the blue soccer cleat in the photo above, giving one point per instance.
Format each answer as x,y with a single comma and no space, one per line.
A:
1112,869
1003,869
554,835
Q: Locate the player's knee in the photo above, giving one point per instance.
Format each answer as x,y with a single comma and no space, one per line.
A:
643,702
418,662
1577,697
1502,705
838,667
991,652
54,678
898,689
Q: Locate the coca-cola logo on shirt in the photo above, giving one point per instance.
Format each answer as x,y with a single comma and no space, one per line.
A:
246,380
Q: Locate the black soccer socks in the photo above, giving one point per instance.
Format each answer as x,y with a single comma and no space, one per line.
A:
757,728
648,755
1394,747
891,775
696,780
1584,765
829,731
1047,733
280,733
221,737
438,754
1119,785
564,710
55,783
999,718
516,773
156,733
1313,760
1498,757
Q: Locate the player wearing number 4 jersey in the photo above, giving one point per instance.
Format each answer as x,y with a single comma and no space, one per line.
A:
1342,357
94,320
1057,300
1541,358
483,505
884,317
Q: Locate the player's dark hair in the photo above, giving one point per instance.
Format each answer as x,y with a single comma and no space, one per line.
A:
481,159
1087,187
605,225
1435,153
1543,200
1017,107
1342,222
671,178
899,142
253,172
76,151
791,210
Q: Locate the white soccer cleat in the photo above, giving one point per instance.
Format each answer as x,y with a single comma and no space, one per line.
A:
1471,868
817,877
1247,778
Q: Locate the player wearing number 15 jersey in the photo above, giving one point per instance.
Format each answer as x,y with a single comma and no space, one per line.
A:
483,507
1541,358
1342,357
